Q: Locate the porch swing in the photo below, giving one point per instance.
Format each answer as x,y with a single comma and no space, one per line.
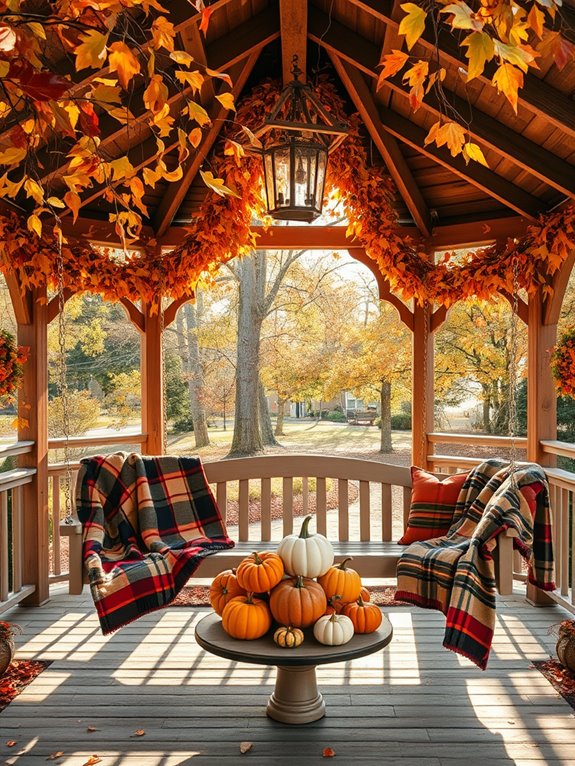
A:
146,522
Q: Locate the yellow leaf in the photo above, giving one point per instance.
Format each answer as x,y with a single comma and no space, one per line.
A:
392,63
519,55
92,50
122,60
151,177
37,29
174,175
34,224
508,79
194,79
473,152
216,184
34,190
220,75
413,23
121,169
4,68
233,149
195,137
452,134
536,19
12,155
254,140
55,202
155,95
107,94
463,16
479,50
181,57
227,100
198,113
163,33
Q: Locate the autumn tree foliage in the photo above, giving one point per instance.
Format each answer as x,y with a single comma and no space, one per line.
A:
71,72
502,39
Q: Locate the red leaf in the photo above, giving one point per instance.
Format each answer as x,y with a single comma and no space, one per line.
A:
88,119
328,752
206,13
41,86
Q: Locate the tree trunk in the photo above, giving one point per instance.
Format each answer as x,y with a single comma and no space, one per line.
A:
196,376
267,431
247,437
486,409
280,421
385,403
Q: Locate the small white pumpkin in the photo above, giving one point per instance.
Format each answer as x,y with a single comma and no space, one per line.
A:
306,554
333,629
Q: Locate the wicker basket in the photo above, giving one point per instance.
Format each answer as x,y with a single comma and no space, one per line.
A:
6,654
566,645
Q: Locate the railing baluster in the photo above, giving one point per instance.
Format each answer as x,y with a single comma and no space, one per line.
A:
244,510
364,512
343,506
564,521
386,513
18,540
321,504
266,509
572,498
305,495
4,547
222,498
56,557
287,505
406,505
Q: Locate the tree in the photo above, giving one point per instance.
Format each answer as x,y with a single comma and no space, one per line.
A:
52,119
124,397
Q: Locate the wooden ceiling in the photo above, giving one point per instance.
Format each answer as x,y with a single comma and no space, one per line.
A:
531,155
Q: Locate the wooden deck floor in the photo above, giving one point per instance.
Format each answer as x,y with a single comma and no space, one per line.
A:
413,703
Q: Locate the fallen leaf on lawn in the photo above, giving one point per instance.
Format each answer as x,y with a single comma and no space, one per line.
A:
92,760
328,752
139,732
90,729
11,742
245,747
53,756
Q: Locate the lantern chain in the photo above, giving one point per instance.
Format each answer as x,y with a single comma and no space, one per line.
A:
63,384
512,390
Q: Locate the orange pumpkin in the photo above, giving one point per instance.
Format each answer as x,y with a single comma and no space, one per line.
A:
260,572
366,617
365,595
224,587
298,602
334,605
339,579
246,617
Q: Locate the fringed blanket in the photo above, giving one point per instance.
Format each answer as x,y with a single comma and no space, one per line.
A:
456,573
147,524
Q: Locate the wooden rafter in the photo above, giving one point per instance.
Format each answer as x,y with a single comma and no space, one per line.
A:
20,300
175,194
536,95
489,182
293,25
526,154
193,44
386,144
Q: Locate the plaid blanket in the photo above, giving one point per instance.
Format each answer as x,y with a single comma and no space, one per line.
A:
456,573
147,524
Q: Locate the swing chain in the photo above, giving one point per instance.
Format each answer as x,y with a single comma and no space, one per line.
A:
63,384
162,348
512,391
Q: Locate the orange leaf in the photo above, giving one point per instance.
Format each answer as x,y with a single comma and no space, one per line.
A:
392,63
54,756
508,79
328,752
91,729
92,760
245,747
204,23
139,732
11,742
123,61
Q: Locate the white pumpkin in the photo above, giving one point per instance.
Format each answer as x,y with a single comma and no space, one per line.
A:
333,630
306,554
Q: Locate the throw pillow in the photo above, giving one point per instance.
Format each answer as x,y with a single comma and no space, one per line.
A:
432,505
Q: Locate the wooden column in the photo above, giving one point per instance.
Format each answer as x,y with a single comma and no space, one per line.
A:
541,392
422,384
152,368
33,425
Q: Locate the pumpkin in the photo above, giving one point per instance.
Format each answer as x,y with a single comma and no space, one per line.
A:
246,617
339,579
333,630
288,637
366,617
298,602
307,554
224,587
334,604
260,572
365,595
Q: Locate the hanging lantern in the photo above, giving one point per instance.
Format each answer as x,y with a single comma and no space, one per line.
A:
295,160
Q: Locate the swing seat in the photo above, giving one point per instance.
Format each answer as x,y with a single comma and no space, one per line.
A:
147,523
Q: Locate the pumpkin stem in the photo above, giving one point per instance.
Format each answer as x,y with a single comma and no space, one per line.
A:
344,562
360,601
257,557
332,618
304,532
249,597
299,581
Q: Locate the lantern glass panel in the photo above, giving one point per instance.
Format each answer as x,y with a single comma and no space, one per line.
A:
320,179
281,162
269,180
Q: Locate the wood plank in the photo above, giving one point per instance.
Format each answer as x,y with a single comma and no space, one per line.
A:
4,547
320,505
243,509
343,509
364,511
152,367
266,513
386,512
287,505
293,28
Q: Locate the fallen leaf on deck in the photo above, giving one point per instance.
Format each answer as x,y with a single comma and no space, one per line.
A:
328,752
92,760
245,747
11,742
53,756
90,729
139,733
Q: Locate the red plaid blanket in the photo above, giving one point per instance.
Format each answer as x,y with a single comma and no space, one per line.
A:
147,524
456,573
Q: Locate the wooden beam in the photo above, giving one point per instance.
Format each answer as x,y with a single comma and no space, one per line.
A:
385,292
553,303
33,426
152,367
541,391
422,384
536,95
171,311
293,27
176,192
387,145
135,316
54,304
522,307
362,54
20,301
489,182
193,44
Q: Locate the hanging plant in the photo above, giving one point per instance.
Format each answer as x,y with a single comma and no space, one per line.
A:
563,363
7,648
12,360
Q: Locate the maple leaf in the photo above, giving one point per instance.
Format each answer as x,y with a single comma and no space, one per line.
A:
245,747
463,16
204,23
415,76
227,100
473,152
328,752
217,185
194,79
480,49
122,60
413,23
561,49
519,55
536,20
155,95
508,79
92,50
163,34
452,134
392,63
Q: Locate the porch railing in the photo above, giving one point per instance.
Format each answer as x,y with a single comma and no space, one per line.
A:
13,585
562,489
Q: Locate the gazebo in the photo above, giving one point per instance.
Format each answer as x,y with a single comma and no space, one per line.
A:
519,201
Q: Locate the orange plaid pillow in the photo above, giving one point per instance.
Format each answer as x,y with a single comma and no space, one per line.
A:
432,505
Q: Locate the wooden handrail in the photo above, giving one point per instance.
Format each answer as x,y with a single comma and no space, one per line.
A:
16,448
554,447
16,478
96,441
477,439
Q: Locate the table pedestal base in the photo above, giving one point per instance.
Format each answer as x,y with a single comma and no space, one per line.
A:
295,698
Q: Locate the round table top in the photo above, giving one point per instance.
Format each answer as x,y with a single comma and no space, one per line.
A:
263,651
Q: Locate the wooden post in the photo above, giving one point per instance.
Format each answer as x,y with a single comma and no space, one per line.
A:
541,400
422,384
152,383
33,425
